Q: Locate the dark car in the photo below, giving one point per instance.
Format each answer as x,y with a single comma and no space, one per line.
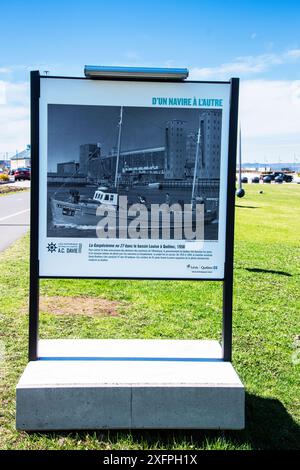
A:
285,177
22,174
267,179
255,179
244,179
278,179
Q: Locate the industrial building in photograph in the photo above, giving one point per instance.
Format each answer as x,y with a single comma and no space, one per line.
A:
174,160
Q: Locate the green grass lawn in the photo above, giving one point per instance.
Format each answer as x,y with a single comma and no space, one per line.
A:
266,323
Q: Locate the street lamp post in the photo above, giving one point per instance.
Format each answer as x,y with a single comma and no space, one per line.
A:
240,191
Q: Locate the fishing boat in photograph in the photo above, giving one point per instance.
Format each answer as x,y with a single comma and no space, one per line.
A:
82,212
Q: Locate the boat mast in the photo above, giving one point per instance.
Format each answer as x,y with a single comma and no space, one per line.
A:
196,163
118,148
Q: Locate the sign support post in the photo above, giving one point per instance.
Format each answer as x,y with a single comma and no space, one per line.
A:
34,217
229,247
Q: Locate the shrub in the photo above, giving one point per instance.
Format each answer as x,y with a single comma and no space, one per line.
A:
4,177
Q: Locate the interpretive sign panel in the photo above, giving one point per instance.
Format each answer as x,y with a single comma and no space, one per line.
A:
133,178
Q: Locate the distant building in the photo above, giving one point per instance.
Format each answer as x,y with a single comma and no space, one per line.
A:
175,138
21,159
191,145
67,168
191,148
145,163
211,145
175,160
96,168
88,152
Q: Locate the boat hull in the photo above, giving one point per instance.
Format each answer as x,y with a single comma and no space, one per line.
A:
84,215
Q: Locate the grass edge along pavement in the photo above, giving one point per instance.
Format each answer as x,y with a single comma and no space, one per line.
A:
6,189
265,326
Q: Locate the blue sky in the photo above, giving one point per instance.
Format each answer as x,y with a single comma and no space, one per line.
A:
256,40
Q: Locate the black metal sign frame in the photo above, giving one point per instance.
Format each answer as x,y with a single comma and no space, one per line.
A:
35,276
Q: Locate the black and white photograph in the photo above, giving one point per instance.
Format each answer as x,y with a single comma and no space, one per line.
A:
130,162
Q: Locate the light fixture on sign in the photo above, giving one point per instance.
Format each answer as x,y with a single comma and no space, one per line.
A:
99,71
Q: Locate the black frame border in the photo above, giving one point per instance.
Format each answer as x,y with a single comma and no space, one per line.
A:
35,78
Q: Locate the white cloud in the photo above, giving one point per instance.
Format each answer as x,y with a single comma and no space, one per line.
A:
270,108
2,92
241,65
269,112
5,69
14,117
294,53
270,117
245,65
17,93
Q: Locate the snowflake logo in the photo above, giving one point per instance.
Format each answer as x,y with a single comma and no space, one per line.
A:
51,247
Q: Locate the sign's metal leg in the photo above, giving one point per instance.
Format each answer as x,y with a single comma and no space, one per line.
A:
229,247
34,218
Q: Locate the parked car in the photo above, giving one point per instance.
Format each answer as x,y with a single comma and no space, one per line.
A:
244,179
278,179
267,179
22,174
255,179
285,177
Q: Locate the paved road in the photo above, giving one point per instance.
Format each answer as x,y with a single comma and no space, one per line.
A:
21,184
14,217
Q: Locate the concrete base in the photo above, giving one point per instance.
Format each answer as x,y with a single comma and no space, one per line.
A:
142,384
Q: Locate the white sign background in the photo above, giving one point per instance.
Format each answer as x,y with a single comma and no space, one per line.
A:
72,91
